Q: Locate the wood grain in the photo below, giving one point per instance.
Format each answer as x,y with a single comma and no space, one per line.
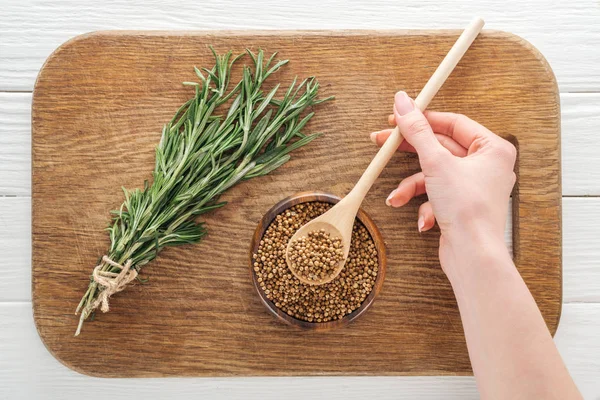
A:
580,118
98,107
566,32
27,371
581,278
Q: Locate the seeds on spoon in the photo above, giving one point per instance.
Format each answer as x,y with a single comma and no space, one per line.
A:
315,257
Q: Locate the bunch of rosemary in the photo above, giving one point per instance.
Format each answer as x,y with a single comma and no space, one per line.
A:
201,154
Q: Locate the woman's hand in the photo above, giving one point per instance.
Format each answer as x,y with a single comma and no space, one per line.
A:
467,173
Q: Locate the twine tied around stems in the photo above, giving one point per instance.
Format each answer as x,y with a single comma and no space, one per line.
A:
111,282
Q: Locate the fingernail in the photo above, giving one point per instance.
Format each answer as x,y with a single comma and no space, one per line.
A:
403,103
389,199
374,137
421,224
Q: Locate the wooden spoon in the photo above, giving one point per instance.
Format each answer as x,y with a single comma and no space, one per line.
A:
339,220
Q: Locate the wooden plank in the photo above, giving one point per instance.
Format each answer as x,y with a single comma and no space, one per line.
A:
15,144
578,335
581,170
15,247
98,143
581,175
567,33
28,371
581,230
581,275
581,226
580,144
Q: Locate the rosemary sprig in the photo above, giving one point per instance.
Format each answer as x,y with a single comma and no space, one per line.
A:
201,154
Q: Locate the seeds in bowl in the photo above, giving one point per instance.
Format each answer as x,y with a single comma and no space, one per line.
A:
315,257
312,303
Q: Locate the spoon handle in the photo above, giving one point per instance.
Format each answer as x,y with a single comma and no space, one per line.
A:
432,86
449,62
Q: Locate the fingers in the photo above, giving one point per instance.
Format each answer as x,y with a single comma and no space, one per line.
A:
380,137
410,187
459,127
450,144
392,120
426,217
416,130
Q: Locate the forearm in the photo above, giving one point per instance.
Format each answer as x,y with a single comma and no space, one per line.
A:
511,350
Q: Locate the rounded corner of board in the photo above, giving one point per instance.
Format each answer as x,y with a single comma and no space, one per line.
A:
533,51
74,41
76,368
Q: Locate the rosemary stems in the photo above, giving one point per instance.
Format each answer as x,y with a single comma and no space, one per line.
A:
201,154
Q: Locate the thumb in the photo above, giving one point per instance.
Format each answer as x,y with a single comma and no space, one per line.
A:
416,129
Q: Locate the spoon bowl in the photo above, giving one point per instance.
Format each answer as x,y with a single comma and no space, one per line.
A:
318,224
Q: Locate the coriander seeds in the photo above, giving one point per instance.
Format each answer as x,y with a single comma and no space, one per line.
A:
323,303
315,257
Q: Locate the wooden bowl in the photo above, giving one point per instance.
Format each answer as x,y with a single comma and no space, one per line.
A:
307,197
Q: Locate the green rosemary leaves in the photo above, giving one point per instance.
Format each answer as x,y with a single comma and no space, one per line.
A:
204,150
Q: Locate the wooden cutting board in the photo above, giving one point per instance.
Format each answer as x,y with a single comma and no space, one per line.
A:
98,108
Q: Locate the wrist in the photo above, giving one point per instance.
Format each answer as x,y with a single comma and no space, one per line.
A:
473,247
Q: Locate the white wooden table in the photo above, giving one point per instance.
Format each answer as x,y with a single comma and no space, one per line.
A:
566,32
